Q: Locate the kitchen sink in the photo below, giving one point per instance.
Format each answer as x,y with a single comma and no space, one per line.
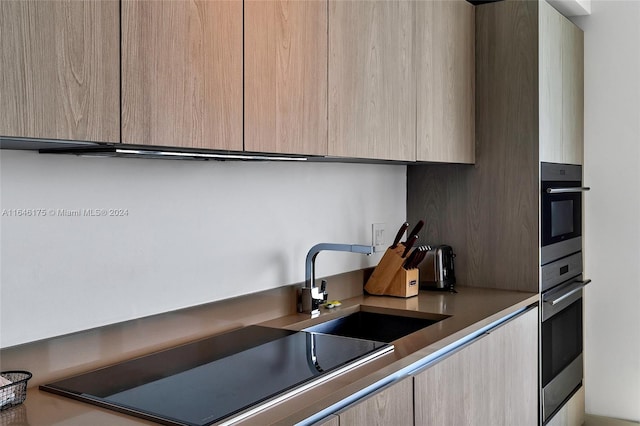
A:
380,327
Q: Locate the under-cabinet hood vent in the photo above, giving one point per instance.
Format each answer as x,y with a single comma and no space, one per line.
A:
121,150
101,149
125,151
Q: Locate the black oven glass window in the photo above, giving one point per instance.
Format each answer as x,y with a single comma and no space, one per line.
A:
561,213
561,340
561,217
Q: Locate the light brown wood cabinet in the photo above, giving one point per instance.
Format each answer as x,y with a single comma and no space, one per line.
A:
492,381
561,75
572,93
492,210
332,420
572,413
335,78
285,80
392,405
182,73
59,62
445,64
372,87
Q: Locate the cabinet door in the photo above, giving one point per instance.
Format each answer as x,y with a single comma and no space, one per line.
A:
372,80
445,74
550,78
332,420
285,51
182,73
391,406
493,381
561,68
572,93
59,62
572,413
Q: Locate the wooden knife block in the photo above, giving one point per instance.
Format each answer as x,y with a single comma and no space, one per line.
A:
391,279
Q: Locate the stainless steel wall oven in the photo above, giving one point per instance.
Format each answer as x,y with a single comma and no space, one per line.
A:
562,283
561,210
561,344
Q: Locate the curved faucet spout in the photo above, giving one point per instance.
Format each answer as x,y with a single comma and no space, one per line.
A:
310,273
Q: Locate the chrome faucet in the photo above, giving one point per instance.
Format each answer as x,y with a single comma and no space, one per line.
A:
310,297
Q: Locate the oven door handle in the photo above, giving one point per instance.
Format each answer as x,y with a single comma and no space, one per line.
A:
564,296
569,189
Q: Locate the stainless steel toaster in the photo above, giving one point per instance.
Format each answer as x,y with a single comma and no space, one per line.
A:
436,271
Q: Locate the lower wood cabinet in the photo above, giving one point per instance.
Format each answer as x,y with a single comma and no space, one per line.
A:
332,420
572,413
392,405
492,381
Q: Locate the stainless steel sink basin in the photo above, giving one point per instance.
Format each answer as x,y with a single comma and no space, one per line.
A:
380,327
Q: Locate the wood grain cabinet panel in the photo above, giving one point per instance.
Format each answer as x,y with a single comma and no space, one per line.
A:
372,109
285,51
59,62
492,381
572,413
550,77
332,420
182,73
390,406
445,64
572,93
561,71
491,211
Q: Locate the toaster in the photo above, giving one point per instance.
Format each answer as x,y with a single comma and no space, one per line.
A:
437,270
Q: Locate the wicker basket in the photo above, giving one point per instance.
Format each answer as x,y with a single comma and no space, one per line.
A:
14,393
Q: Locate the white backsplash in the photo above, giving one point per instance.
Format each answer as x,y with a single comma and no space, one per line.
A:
192,233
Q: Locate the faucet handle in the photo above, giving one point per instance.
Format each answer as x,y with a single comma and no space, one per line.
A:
323,291
318,297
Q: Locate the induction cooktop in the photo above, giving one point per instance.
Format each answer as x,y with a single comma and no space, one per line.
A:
228,376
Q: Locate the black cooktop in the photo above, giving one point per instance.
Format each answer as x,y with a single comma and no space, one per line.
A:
209,380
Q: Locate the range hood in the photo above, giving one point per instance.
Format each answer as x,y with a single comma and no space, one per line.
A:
121,150
95,149
129,151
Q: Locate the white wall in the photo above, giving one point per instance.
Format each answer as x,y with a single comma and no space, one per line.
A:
612,208
195,232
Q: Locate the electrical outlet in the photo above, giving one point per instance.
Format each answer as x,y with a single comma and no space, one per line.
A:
377,236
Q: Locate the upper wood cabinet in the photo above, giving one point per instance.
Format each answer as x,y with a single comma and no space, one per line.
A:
372,96
182,73
445,64
59,62
392,405
561,77
493,381
285,94
572,93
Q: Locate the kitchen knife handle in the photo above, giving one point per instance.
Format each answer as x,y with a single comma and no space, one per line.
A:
408,264
399,235
410,242
421,255
416,229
